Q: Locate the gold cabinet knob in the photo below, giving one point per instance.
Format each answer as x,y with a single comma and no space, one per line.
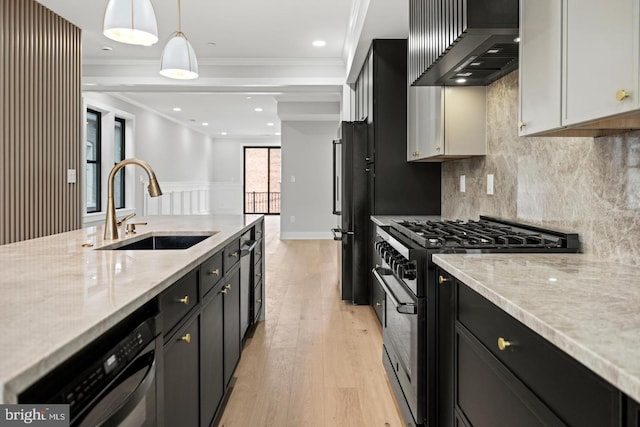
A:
224,291
186,338
234,254
259,274
622,94
503,344
378,304
522,125
215,272
259,301
184,300
227,286
442,279
438,148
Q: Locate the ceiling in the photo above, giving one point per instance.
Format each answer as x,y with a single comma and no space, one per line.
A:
251,53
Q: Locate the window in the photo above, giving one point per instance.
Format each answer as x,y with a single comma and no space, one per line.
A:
119,155
94,147
262,180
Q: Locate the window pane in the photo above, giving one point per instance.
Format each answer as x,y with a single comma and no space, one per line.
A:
118,189
92,188
119,154
118,148
93,135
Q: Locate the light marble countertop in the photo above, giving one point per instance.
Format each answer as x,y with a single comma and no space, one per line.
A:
57,296
586,306
385,219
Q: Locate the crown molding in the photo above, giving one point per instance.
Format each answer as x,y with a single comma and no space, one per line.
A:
230,62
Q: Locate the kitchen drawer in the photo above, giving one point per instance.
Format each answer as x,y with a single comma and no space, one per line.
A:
257,252
257,301
231,255
378,300
210,273
178,300
257,273
258,230
577,395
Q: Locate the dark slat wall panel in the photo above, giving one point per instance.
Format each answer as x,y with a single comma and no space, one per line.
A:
40,122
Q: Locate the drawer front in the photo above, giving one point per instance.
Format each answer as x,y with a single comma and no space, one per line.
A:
210,273
573,392
231,255
257,252
378,301
257,301
487,395
178,300
257,273
259,230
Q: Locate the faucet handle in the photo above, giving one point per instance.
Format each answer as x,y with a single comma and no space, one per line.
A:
131,227
121,221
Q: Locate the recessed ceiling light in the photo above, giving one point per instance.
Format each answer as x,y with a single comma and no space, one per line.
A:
319,43
269,124
205,124
277,133
90,84
475,64
257,109
464,74
211,43
223,133
493,51
192,120
107,48
461,80
177,109
248,97
517,40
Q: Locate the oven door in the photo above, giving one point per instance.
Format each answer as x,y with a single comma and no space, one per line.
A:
404,313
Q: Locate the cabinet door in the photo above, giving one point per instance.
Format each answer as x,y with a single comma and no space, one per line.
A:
633,413
231,324
600,58
413,120
211,358
430,122
445,354
540,65
181,407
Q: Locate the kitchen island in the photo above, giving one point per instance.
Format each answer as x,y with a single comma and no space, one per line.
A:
582,305
61,292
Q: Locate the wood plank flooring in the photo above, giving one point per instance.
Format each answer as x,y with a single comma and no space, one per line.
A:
315,361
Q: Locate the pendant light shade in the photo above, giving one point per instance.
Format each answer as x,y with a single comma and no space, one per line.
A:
178,57
131,22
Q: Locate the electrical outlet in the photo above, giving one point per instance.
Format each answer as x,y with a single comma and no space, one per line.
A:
292,218
293,179
490,184
463,186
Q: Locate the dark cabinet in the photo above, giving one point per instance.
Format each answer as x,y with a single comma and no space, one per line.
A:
210,273
516,366
633,413
231,312
178,300
181,376
212,385
445,347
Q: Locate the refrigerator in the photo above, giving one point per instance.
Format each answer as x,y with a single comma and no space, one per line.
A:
372,177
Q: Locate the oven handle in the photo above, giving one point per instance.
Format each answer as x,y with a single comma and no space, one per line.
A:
401,307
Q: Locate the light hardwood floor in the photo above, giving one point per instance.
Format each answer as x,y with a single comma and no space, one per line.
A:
315,361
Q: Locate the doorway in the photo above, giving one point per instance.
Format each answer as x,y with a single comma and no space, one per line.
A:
262,180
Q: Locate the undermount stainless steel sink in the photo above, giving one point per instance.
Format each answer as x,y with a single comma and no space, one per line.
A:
160,242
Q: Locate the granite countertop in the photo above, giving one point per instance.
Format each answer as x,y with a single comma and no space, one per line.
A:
386,219
57,295
586,306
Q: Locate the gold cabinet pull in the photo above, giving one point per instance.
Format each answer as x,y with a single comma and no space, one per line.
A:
215,272
503,344
378,304
438,148
227,286
522,125
184,300
235,254
442,279
622,94
186,338
259,301
224,291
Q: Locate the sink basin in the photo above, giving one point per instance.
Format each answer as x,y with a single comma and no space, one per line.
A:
160,242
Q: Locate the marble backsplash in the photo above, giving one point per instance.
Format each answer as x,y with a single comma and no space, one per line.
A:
586,185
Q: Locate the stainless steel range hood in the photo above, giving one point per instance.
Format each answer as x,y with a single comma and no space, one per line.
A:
451,40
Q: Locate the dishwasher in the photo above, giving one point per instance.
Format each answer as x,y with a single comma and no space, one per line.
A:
247,244
110,382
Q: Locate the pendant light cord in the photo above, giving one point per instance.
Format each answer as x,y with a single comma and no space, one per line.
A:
179,17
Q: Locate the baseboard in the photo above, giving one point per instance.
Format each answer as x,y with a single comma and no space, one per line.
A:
313,235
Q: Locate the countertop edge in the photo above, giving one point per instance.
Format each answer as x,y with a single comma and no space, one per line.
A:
613,374
10,388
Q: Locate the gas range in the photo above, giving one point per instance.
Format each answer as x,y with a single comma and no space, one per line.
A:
416,350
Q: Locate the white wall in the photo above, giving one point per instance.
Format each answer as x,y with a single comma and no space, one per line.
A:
307,156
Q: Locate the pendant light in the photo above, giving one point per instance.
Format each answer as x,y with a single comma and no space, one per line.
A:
178,57
131,22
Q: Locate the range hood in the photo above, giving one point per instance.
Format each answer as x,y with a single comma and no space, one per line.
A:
462,42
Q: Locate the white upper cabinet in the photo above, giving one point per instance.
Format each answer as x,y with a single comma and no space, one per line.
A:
601,59
579,65
446,123
540,65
